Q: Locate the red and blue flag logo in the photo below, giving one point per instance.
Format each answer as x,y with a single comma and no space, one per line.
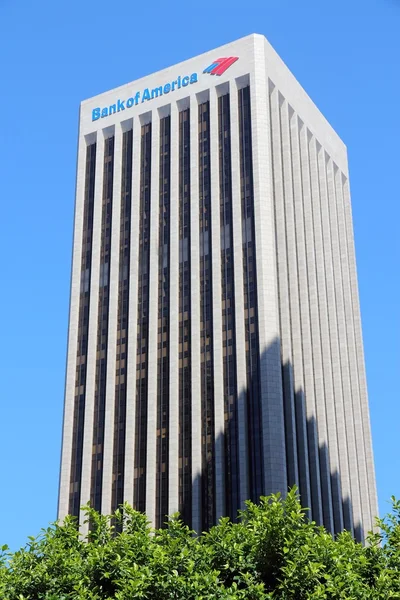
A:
219,66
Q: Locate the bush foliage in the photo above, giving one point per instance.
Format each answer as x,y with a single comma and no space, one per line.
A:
272,552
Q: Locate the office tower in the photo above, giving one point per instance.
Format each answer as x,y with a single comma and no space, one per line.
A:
215,349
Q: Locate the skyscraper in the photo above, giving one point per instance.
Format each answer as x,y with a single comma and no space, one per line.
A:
215,350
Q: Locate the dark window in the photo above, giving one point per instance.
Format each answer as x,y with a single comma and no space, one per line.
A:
206,340
163,324
102,328
250,297
185,400
142,321
228,308
122,323
83,330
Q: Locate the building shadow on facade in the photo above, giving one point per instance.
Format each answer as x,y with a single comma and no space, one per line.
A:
300,452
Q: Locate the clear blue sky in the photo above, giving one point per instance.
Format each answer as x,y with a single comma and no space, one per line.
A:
346,54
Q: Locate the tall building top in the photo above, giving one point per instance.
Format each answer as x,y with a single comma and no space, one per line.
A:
256,59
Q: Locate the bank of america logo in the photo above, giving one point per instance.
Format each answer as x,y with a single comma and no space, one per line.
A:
220,65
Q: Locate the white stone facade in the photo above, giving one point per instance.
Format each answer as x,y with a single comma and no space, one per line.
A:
312,387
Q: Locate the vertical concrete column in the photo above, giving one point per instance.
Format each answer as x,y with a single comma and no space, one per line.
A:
112,326
353,501
132,319
283,289
289,225
312,354
151,459
218,367
306,401
360,354
68,420
333,304
173,460
365,516
273,427
92,336
322,348
195,315
241,378
333,398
